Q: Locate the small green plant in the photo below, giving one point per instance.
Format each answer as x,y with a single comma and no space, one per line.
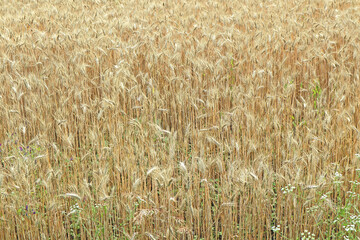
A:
316,93
75,220
289,83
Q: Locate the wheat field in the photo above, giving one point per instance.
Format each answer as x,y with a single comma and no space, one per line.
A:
179,119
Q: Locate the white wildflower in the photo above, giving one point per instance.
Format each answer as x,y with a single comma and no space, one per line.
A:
275,228
287,189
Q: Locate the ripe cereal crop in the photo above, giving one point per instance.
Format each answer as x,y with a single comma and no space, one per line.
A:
179,119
